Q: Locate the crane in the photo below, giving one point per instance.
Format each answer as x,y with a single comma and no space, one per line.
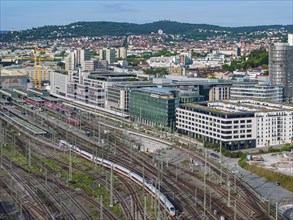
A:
38,68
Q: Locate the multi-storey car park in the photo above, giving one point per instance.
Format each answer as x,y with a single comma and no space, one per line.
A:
237,124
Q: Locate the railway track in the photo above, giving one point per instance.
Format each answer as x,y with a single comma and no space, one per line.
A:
248,196
167,176
187,207
21,178
259,213
3,212
65,189
27,210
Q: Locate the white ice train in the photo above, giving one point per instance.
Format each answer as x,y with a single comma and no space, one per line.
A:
134,176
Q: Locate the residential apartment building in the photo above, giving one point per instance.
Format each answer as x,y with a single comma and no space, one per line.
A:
262,91
70,61
121,53
93,65
108,54
281,66
81,55
76,58
237,124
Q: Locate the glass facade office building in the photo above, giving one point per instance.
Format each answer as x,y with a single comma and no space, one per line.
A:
281,67
154,106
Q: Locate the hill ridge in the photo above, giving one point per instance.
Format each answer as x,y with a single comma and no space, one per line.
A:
100,28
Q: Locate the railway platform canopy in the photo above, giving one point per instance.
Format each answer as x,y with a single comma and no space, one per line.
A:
21,92
37,92
50,98
10,94
26,125
3,101
5,93
36,99
18,100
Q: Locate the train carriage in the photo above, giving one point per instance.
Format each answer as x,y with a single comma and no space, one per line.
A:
164,200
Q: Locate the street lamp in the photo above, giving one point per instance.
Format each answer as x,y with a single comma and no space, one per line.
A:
177,172
277,184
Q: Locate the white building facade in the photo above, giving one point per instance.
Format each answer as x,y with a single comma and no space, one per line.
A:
262,91
237,124
219,92
58,83
87,94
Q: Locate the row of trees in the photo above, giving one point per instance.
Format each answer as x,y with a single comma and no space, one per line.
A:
157,71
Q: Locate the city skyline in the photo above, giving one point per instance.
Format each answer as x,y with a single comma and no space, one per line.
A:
21,15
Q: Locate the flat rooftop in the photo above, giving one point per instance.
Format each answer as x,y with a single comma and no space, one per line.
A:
240,106
157,91
134,84
105,76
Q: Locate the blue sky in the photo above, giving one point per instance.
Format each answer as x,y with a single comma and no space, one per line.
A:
21,14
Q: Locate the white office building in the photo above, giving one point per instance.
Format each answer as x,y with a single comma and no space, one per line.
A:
262,91
58,83
88,94
237,124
